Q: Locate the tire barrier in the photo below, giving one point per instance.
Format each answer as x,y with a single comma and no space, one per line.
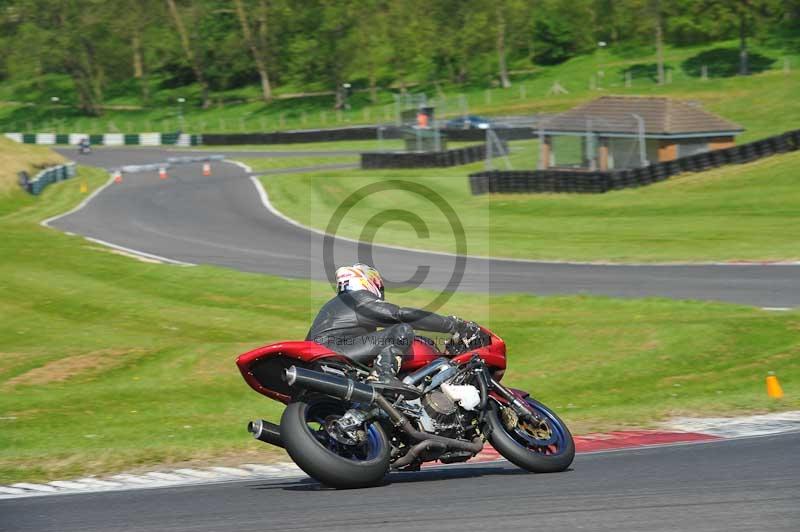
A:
299,136
109,139
427,159
598,182
48,176
355,133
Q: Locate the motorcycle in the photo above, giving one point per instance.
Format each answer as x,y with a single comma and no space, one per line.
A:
347,432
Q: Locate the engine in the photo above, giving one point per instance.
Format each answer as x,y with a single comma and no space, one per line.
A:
439,412
447,405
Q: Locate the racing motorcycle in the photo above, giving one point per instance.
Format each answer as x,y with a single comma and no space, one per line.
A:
347,432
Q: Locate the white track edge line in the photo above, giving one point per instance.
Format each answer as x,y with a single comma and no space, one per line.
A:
84,203
271,208
81,205
136,252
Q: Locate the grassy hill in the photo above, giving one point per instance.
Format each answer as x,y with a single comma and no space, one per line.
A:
16,157
109,363
742,212
765,103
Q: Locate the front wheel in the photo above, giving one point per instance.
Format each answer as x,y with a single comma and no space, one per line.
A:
305,432
542,445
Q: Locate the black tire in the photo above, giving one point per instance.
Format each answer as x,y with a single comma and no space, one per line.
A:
322,463
520,455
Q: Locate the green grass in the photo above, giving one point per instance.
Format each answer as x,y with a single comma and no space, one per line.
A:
108,363
742,212
764,103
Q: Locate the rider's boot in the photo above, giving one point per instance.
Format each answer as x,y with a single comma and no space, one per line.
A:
385,368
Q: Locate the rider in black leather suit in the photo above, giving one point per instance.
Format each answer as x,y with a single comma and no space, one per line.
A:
349,322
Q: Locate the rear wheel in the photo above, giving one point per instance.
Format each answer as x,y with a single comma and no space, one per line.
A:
337,462
541,445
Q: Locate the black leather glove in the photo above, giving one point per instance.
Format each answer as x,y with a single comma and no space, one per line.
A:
464,329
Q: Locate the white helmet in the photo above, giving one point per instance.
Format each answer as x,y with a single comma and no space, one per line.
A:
359,277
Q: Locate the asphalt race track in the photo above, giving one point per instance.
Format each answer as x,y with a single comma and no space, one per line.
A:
221,220
748,484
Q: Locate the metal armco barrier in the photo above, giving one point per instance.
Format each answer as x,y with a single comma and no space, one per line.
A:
46,177
459,156
597,182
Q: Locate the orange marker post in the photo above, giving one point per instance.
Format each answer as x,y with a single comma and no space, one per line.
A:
774,389
162,173
206,169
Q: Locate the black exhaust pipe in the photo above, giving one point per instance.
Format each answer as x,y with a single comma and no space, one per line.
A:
334,385
350,390
266,432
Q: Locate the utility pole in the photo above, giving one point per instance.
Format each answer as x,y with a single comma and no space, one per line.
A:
642,148
181,101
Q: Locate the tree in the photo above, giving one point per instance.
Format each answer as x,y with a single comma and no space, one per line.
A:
375,52
659,24
500,10
556,35
745,15
191,56
256,45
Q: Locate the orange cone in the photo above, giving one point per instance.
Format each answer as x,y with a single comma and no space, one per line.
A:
206,169
162,173
117,176
774,389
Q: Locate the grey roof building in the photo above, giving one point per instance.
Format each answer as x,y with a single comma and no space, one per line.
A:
624,131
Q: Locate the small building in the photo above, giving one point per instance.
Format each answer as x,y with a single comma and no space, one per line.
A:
616,132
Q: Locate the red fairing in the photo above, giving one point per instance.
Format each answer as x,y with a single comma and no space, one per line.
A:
303,352
277,357
493,354
422,354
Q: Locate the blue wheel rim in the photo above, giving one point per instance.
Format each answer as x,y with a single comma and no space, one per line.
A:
554,445
365,452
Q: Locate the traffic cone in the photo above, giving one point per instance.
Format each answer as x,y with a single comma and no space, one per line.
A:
774,389
117,176
206,169
162,173
84,187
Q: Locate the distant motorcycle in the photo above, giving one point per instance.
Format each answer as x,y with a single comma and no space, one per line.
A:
84,148
347,432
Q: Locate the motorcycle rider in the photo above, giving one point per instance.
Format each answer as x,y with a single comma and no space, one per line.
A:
84,146
348,323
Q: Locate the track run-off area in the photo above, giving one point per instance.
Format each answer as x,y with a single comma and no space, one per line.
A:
226,219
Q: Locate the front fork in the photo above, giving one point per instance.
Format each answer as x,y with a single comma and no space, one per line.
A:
488,384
